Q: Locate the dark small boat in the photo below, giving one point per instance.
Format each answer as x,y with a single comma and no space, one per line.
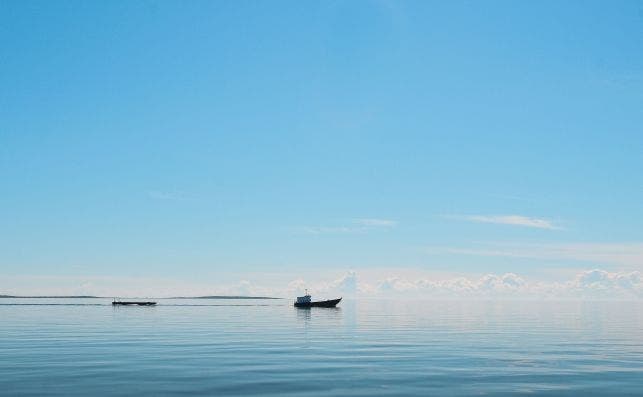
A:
132,303
327,303
305,301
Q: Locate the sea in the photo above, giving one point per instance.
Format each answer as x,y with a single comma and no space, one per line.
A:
376,347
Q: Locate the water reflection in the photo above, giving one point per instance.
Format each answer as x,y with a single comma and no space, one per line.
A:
303,313
372,346
320,314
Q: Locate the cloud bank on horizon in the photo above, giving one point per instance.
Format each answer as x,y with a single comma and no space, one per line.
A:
588,284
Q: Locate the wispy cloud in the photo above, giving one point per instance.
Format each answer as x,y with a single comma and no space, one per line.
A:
358,225
374,222
628,255
513,220
331,229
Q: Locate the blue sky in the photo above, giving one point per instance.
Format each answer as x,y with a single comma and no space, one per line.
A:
271,141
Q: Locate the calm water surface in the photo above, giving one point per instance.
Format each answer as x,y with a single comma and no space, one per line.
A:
267,347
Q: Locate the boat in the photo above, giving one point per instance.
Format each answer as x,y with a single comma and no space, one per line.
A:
132,303
306,301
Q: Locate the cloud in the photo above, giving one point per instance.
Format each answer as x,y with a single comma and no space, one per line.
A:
331,229
513,220
359,225
246,288
587,284
628,255
396,284
374,222
606,283
346,285
506,282
489,284
590,284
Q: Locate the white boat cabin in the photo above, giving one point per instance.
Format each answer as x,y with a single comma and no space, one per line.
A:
304,299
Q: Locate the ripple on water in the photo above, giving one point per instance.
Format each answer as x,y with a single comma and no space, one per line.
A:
362,348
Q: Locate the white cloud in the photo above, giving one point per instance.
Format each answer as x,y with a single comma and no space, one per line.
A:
624,255
374,222
331,229
606,284
346,285
589,284
396,284
513,220
488,285
506,282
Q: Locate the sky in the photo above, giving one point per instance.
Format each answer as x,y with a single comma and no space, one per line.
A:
366,147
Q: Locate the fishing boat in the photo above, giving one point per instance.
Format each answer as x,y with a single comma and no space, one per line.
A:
306,301
132,303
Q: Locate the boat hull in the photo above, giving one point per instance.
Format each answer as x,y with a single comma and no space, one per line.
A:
328,303
133,303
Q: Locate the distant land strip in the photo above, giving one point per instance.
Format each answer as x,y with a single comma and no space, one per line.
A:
51,296
223,297
109,297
